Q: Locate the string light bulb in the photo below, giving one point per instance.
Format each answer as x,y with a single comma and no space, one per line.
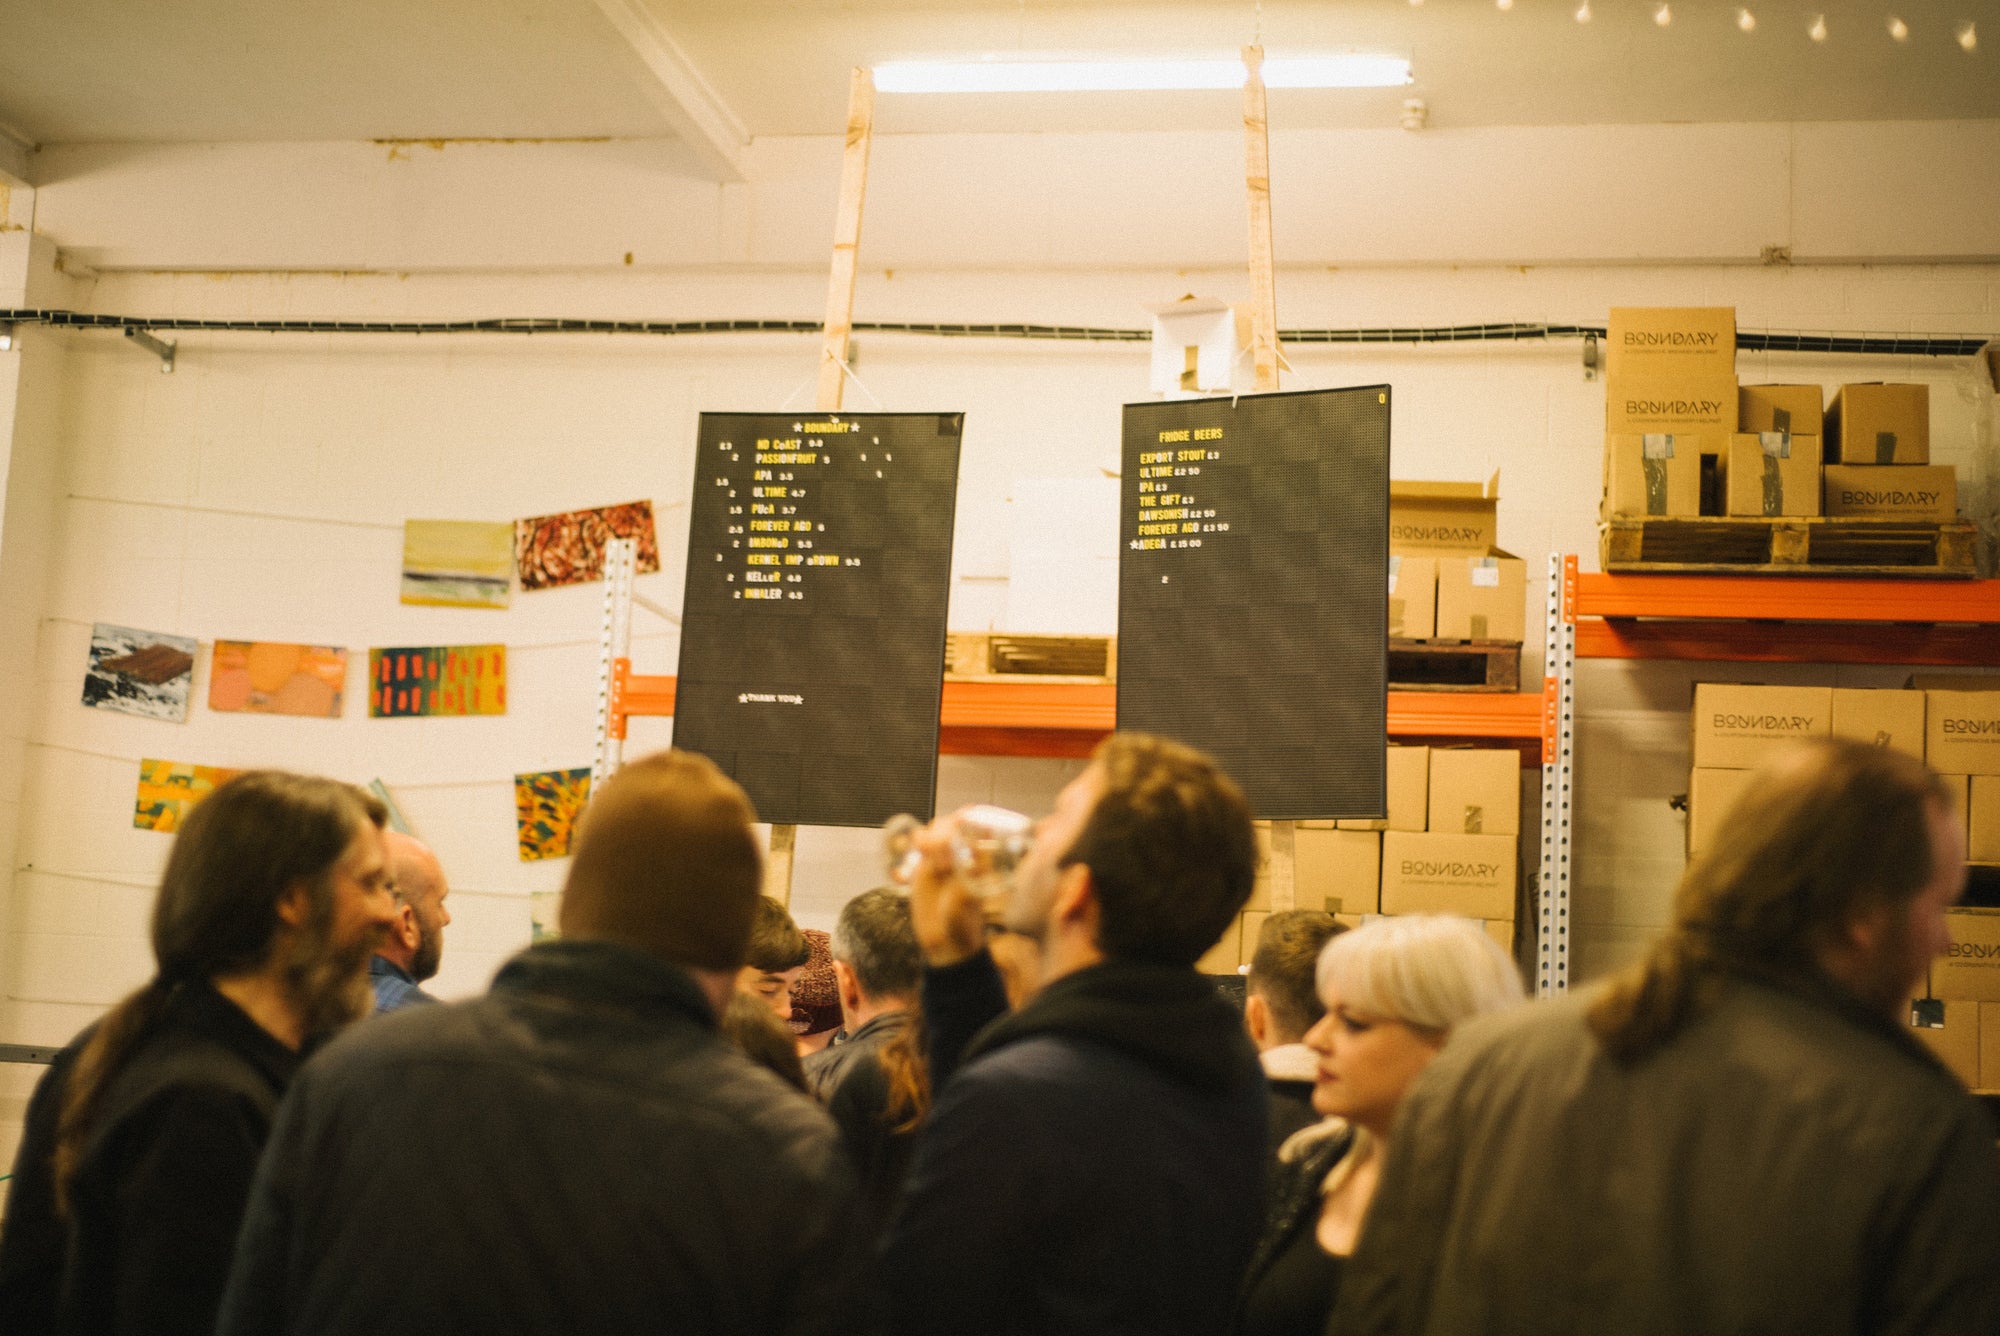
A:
1503,4
1663,16
1746,20
1818,30
1899,29
1583,12
1968,37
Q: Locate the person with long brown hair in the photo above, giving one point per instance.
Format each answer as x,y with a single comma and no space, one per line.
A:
273,899
578,1150
1737,1134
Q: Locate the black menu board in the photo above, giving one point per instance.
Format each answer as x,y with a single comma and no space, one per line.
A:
1253,577
813,629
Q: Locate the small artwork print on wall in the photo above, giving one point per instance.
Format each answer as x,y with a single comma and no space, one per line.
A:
146,673
428,680
546,806
565,549
264,677
169,790
458,563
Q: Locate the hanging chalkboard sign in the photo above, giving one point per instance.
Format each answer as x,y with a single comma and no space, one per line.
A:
813,628
1253,591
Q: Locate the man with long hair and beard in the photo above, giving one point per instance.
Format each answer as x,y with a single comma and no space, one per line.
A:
141,1141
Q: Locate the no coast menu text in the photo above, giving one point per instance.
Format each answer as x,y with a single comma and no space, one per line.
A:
1253,591
813,630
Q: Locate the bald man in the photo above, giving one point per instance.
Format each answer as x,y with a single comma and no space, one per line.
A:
415,944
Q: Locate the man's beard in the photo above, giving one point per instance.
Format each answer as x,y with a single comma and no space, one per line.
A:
429,954
328,980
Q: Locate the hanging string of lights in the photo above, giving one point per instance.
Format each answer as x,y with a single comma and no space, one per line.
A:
1965,33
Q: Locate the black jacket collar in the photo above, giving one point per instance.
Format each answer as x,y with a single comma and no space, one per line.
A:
1167,1016
608,975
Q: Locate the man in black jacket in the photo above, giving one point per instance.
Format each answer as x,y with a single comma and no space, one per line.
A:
578,1151
141,1141
1094,1162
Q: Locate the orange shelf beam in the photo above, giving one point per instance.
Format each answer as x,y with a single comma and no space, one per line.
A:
1751,597
1753,619
1067,719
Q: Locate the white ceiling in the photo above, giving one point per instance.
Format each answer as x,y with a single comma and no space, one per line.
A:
74,71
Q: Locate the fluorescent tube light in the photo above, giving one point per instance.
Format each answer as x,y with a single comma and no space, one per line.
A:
1081,76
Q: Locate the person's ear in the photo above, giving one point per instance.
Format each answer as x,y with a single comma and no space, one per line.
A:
1257,1018
848,986
405,931
295,905
1076,899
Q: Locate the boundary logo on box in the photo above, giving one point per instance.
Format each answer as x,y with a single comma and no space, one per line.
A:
1431,867
1974,952
1668,407
1868,496
1765,723
1703,340
1972,727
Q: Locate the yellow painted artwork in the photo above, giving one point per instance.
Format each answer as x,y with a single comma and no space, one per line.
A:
169,790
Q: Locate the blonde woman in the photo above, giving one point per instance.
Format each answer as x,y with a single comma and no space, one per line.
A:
1394,990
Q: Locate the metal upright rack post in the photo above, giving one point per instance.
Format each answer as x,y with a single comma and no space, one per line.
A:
614,658
1558,779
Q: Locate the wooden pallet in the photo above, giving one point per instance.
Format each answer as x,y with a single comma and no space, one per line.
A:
975,656
1792,545
1454,665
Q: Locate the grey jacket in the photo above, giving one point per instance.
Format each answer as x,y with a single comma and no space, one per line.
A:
1790,1163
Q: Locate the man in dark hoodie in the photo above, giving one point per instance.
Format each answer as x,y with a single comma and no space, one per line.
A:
1094,1161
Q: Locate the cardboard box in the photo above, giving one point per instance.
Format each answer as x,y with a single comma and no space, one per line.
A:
1501,931
1771,473
1951,1030
1226,954
1982,822
1799,409
1657,473
1740,727
1959,787
1705,404
1475,790
1989,1046
1962,732
1953,682
1892,719
1925,493
1879,424
1969,970
1671,341
1339,871
1433,517
1413,596
1469,875
1482,598
1409,776
1711,793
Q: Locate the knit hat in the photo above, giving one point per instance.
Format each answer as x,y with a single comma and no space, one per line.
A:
815,996
665,860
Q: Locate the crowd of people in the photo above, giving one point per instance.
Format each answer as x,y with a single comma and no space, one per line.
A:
1034,1116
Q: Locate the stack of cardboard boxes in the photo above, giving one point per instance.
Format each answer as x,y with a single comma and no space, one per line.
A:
1959,1015
1669,404
1957,733
1450,845
1682,438
1448,578
1878,451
